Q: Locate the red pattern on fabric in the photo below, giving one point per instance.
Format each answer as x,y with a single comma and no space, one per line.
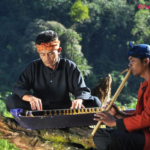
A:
54,45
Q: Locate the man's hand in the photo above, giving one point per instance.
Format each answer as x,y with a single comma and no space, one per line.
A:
35,102
106,118
77,104
114,111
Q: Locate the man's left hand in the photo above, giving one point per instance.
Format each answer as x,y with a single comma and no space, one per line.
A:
77,104
106,118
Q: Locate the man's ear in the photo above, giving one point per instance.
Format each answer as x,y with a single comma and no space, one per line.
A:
146,61
59,50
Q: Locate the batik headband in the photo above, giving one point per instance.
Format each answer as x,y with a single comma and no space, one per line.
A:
54,45
139,51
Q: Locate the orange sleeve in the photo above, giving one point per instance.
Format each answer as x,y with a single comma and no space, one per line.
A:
139,121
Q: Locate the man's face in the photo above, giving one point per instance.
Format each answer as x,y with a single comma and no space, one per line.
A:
49,58
136,66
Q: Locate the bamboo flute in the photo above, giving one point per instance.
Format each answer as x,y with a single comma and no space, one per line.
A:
113,99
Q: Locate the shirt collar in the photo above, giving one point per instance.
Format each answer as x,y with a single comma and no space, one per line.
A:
145,84
55,67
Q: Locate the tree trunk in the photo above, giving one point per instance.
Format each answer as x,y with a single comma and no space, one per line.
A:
75,138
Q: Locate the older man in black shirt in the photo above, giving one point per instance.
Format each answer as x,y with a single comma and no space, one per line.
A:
51,79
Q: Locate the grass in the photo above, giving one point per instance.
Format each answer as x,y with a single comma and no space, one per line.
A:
4,144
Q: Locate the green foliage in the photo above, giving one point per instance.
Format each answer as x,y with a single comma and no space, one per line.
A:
126,96
141,28
3,110
117,103
5,145
131,105
98,45
72,50
79,12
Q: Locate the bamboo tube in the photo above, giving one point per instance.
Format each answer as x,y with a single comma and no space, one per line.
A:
67,112
89,110
93,111
64,112
86,111
82,111
55,113
123,108
97,110
113,99
30,114
79,111
70,111
50,113
60,112
45,114
74,112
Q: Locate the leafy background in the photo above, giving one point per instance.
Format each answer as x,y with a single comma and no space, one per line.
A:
93,33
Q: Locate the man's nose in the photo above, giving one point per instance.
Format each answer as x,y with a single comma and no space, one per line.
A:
47,56
129,64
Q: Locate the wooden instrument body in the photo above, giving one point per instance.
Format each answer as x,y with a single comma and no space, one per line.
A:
45,120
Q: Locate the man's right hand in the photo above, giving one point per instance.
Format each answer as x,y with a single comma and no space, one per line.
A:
114,111
36,103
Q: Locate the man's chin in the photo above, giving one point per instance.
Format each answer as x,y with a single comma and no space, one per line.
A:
134,74
48,64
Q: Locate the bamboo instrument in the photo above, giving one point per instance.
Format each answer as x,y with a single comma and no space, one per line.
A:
114,98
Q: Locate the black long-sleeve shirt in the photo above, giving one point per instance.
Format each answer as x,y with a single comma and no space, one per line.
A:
52,86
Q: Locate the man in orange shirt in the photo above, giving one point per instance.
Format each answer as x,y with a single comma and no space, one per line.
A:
132,130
